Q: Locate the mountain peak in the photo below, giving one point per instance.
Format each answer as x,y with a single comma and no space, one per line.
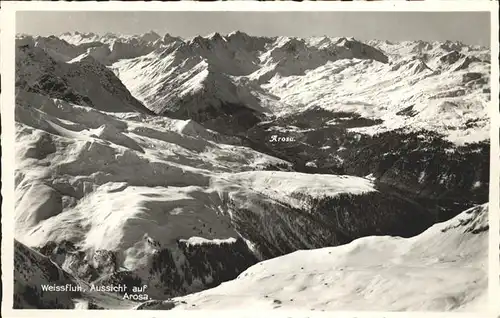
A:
150,36
167,38
238,33
25,41
214,36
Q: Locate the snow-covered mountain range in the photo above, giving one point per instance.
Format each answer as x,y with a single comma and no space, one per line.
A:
180,163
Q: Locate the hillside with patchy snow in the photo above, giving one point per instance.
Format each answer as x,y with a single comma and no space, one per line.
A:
180,164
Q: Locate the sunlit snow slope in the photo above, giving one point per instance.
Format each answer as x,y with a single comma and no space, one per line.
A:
116,183
443,268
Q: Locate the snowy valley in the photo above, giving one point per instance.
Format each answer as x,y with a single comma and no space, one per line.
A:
226,171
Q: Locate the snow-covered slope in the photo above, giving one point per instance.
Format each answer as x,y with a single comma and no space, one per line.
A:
106,49
197,79
442,269
82,80
111,48
77,38
433,88
107,183
133,188
210,76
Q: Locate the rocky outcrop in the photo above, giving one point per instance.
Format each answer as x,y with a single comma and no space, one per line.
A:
34,272
81,81
177,270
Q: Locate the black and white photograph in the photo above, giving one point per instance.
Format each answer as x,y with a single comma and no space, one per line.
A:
252,160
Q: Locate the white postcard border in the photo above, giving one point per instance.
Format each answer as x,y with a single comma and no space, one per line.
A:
7,20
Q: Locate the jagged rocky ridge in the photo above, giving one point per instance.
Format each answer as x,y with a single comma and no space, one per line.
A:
82,81
31,270
81,162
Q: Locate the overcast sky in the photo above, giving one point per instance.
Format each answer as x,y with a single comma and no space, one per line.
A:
468,27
